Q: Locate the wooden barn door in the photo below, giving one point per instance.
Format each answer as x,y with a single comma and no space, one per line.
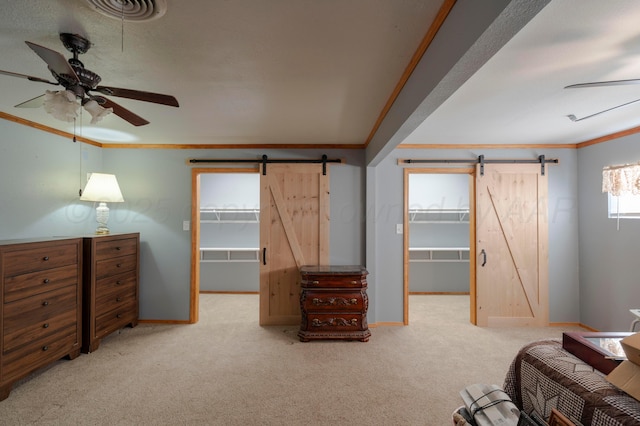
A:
294,231
511,246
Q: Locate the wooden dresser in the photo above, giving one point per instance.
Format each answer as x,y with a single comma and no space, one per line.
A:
40,305
333,303
110,290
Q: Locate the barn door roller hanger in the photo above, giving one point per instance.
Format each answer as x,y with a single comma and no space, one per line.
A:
266,160
482,161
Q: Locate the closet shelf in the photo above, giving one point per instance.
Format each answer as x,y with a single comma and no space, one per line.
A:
438,215
229,254
438,254
229,215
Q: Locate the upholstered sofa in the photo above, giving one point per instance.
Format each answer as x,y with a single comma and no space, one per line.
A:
544,376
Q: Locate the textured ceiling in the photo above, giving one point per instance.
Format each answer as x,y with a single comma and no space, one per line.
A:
310,72
243,71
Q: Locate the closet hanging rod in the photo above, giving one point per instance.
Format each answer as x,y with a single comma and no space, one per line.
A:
265,160
482,161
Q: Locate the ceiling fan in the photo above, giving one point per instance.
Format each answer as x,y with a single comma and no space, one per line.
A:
79,81
600,84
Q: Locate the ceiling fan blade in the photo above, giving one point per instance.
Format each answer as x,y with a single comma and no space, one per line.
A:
138,95
56,62
36,102
604,83
121,112
28,77
574,118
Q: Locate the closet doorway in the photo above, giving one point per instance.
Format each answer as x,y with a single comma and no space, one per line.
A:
292,229
226,233
438,233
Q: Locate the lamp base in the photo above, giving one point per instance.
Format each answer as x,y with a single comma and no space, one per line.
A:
102,230
102,217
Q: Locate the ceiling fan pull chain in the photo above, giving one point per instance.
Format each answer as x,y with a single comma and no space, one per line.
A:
122,25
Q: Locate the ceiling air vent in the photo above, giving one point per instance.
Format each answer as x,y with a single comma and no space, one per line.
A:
130,10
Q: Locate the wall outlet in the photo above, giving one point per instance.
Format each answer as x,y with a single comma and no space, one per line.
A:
399,228
185,225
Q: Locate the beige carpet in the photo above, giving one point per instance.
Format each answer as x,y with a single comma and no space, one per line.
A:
227,370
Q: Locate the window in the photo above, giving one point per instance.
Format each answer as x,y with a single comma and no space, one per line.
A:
622,183
624,206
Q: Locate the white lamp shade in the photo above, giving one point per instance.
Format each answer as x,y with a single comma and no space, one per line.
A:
97,111
102,187
62,104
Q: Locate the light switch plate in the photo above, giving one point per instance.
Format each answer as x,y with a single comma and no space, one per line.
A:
185,225
399,228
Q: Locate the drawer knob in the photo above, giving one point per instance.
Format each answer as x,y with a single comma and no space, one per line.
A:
45,325
46,281
118,248
118,265
118,282
354,282
315,282
118,315
45,348
45,258
118,299
45,303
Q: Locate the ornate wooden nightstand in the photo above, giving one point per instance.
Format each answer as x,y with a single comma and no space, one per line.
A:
334,303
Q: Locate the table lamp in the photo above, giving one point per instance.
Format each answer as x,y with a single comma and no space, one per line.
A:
104,189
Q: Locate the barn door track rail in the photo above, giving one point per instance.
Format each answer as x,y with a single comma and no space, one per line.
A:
266,160
542,160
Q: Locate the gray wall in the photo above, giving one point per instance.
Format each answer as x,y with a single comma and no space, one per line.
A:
41,176
39,197
609,262
385,210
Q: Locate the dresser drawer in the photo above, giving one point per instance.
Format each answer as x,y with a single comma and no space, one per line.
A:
335,301
115,248
335,322
37,354
25,285
115,266
115,299
29,260
115,283
39,308
111,321
17,337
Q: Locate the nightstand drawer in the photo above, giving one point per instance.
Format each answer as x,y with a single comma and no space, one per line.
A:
16,337
355,281
25,285
115,248
115,266
22,261
333,322
313,300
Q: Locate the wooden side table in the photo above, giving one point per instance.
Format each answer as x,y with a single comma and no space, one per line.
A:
333,303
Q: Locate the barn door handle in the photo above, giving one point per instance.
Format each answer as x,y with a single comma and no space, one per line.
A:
264,256
484,257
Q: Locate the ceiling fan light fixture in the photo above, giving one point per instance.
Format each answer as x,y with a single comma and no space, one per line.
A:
97,111
62,104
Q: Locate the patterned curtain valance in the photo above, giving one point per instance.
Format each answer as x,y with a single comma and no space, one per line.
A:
623,179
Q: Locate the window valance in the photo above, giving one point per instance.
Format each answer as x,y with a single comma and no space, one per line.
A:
622,179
